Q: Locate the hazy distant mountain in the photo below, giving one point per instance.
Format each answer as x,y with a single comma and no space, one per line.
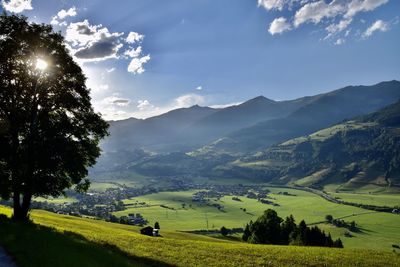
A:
356,153
160,132
187,128
244,115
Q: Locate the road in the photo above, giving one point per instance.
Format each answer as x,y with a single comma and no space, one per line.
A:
5,260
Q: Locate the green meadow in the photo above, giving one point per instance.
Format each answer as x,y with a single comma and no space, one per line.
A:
377,230
390,200
72,241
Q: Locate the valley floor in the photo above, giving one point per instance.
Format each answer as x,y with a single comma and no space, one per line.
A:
58,240
176,211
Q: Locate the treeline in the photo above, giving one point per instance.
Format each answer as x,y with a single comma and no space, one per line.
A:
269,228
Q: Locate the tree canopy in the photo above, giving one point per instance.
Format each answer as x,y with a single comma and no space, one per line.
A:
269,228
49,132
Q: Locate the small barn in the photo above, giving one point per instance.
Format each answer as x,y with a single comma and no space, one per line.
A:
156,232
148,230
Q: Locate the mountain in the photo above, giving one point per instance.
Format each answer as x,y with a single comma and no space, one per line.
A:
355,153
192,141
320,111
245,115
161,133
187,128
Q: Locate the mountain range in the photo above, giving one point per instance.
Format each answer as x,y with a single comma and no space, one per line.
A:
234,141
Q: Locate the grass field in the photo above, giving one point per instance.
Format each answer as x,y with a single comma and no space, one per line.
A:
59,200
97,243
379,230
391,200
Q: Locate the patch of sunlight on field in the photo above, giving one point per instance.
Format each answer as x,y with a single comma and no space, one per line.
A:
304,205
59,200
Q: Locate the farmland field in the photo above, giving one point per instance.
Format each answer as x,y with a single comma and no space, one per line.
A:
390,200
378,230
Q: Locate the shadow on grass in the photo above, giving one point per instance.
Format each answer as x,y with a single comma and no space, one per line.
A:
32,245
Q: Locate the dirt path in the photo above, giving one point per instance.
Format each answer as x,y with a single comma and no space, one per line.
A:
5,260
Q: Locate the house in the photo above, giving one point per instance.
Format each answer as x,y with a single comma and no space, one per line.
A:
148,230
156,232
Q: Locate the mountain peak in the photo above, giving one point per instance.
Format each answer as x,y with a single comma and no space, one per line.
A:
259,99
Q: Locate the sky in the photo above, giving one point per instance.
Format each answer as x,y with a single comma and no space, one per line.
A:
145,57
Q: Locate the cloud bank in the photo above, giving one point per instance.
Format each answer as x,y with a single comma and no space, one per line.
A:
17,6
336,15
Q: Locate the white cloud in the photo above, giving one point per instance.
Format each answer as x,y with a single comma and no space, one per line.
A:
378,25
136,65
336,15
340,41
144,104
189,100
110,70
104,87
317,11
134,37
199,88
62,14
17,6
273,4
342,25
357,6
115,100
92,42
226,105
279,25
133,52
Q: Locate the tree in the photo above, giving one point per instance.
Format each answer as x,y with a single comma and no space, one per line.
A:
224,231
288,226
338,243
329,218
49,132
157,226
266,229
247,232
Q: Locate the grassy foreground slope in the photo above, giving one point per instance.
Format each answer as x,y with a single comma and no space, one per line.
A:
172,250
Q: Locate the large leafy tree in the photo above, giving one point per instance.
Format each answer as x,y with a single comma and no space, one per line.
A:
49,132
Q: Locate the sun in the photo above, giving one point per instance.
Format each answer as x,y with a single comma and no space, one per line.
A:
41,64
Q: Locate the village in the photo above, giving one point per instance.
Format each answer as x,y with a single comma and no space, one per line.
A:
102,204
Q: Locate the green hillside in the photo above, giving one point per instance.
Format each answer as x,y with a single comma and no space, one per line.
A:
125,247
358,153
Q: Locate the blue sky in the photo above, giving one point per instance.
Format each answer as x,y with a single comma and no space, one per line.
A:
220,52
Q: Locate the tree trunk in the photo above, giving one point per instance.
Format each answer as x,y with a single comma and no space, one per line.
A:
21,210
17,206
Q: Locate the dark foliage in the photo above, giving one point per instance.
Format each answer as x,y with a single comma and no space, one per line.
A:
224,231
271,229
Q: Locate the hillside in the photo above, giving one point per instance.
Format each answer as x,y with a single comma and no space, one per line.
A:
356,153
129,248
